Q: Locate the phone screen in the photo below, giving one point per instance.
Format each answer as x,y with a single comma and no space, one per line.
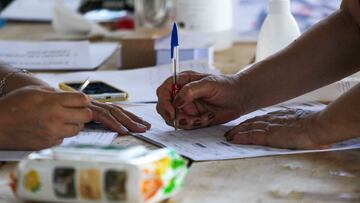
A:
96,88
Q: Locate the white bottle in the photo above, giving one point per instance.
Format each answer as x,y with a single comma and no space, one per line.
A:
210,18
278,30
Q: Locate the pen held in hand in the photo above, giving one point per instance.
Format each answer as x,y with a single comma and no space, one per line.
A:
84,85
175,67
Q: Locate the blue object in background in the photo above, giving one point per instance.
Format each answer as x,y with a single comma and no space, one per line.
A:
2,23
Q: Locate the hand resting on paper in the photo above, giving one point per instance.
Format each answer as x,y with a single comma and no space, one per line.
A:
118,119
291,128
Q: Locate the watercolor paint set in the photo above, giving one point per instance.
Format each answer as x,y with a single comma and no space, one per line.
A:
93,174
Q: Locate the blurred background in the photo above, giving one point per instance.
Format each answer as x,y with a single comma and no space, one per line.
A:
247,15
205,25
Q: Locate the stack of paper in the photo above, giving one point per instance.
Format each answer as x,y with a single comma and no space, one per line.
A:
34,10
62,55
88,136
192,47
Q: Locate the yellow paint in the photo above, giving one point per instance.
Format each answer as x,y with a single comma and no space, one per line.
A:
32,181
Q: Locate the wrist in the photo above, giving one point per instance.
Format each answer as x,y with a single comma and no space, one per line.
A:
244,96
326,130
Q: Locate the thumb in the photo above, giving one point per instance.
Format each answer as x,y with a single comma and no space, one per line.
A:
194,90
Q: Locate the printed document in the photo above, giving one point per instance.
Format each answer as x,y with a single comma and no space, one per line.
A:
210,144
65,55
34,10
88,136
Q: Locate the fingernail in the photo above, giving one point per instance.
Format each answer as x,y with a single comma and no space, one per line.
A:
178,102
211,116
141,126
183,122
123,128
147,123
197,123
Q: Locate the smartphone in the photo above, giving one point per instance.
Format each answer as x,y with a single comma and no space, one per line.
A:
97,90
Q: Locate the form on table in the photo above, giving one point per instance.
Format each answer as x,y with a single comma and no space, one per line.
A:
210,144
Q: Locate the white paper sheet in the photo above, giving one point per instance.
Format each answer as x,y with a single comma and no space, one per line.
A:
88,136
63,55
210,144
141,84
34,10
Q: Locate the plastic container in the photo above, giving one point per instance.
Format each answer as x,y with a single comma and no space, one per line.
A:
278,30
82,174
212,19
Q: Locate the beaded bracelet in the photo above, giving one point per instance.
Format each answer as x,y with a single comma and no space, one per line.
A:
7,76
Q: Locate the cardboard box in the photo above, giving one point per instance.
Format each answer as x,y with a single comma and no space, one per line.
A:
138,48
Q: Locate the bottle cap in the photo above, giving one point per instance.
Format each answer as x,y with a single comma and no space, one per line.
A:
279,6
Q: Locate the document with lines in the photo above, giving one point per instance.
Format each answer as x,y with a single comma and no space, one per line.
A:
209,143
87,136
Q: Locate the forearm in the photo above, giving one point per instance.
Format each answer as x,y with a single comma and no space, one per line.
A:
340,119
17,80
326,53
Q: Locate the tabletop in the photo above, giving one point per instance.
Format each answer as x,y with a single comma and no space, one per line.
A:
316,177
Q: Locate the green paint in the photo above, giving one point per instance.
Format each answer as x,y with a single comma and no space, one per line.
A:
37,188
177,163
171,186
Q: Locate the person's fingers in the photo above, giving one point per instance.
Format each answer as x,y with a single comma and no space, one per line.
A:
72,99
40,87
192,122
46,88
107,119
166,110
164,93
245,127
194,90
191,109
252,137
288,111
164,105
59,141
122,118
189,76
137,118
77,115
270,118
70,130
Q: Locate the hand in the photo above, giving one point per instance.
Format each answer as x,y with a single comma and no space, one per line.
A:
203,100
34,117
292,128
118,119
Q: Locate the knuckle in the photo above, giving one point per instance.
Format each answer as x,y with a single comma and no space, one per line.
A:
212,80
158,108
88,114
187,91
105,113
74,131
54,118
83,98
158,91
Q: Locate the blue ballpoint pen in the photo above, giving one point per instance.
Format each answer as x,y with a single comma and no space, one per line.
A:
175,67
